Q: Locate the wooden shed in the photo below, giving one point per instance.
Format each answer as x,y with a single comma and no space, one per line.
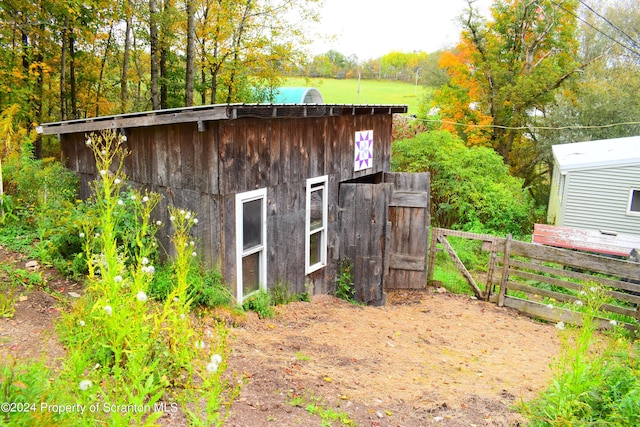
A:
282,192
596,186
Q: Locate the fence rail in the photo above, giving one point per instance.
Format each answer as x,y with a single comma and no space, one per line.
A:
546,282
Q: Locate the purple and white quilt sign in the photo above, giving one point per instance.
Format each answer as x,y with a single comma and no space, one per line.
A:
363,150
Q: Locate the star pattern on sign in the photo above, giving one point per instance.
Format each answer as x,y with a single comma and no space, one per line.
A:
364,150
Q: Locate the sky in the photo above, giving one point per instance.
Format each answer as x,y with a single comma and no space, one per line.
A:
372,28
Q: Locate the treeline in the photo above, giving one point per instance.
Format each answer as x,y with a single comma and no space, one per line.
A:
72,59
414,67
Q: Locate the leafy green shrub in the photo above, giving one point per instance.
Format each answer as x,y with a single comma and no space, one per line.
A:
344,282
260,302
471,188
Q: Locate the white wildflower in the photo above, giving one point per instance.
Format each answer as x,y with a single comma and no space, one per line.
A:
159,223
613,322
88,142
199,344
583,293
194,254
187,215
81,235
81,322
195,220
144,261
120,202
151,269
212,366
192,243
593,289
173,218
103,172
96,235
560,326
141,296
550,306
85,385
578,303
117,279
117,181
145,199
133,197
123,138
103,152
108,309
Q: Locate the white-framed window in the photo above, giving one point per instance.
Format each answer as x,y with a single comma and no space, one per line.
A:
634,202
316,224
251,242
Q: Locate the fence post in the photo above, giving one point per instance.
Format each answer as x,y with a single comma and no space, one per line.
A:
505,270
435,235
490,271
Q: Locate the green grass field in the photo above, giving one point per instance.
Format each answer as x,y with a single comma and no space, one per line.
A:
345,91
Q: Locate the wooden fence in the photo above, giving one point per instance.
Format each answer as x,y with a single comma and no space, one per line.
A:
546,282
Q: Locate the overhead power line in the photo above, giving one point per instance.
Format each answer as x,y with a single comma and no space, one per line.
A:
611,24
568,127
616,41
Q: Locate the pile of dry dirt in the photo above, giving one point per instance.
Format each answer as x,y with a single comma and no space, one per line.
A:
427,358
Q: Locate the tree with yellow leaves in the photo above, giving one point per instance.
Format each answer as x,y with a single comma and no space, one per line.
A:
504,71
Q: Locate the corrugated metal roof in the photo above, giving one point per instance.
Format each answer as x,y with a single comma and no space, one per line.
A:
206,113
597,154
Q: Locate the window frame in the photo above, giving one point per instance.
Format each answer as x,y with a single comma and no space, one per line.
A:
261,249
316,184
630,201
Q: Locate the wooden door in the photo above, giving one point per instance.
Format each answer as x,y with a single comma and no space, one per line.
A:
408,221
363,237
384,233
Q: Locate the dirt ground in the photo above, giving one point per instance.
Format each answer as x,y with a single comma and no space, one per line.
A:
427,358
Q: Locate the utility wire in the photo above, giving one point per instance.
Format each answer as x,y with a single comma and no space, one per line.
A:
611,24
630,49
576,127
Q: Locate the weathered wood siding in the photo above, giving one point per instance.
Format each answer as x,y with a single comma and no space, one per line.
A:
599,198
203,171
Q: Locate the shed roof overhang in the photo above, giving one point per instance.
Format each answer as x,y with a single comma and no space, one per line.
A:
202,114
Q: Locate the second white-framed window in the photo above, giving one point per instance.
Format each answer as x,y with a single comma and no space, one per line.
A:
634,202
251,242
316,224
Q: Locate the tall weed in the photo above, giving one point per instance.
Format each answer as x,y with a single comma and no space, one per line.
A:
590,386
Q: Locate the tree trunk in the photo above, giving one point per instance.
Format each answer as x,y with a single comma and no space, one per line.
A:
155,58
237,42
124,80
73,97
164,53
63,71
102,67
191,53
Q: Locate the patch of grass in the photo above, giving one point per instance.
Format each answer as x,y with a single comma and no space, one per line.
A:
19,238
329,416
350,91
281,294
301,357
590,387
